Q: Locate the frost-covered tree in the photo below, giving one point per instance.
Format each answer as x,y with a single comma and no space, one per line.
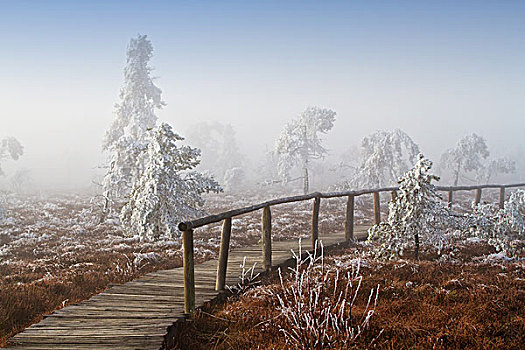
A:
495,167
168,191
386,155
415,215
20,180
127,139
267,172
468,155
418,216
220,152
10,148
300,141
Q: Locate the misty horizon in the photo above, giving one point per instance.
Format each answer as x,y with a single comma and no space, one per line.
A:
437,70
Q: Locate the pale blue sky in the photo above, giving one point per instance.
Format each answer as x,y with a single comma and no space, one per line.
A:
437,69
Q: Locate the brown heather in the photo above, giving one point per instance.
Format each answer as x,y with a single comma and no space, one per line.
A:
422,305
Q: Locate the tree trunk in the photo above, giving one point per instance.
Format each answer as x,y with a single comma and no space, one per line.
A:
457,174
306,184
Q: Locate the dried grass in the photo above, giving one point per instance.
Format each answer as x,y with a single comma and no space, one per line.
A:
423,305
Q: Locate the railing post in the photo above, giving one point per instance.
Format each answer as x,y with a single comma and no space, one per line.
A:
223,254
502,197
315,221
477,199
349,223
267,237
450,198
393,195
377,209
189,273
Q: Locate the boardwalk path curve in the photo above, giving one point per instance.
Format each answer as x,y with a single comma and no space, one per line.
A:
137,314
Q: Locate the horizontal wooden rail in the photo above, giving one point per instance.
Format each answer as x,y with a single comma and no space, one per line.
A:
183,226
475,187
188,226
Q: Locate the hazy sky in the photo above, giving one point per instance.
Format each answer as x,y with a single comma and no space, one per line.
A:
436,69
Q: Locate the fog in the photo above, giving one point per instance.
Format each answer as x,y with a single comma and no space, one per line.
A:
437,71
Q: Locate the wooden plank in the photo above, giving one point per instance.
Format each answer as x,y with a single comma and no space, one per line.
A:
136,314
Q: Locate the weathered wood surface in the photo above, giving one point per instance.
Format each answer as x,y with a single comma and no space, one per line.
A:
235,212
137,314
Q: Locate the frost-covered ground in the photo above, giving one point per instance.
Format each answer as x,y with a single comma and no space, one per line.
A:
53,251
424,304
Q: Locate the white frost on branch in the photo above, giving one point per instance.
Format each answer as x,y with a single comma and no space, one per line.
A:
468,155
502,228
317,303
416,215
168,191
495,167
386,155
127,138
11,148
300,141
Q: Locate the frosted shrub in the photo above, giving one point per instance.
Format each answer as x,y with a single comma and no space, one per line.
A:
317,304
234,179
416,216
247,279
514,212
504,228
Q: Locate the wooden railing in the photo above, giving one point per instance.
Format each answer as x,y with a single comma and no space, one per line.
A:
188,227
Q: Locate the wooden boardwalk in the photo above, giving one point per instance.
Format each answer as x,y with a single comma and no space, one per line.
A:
138,314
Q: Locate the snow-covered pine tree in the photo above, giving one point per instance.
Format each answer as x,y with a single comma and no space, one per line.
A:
127,138
11,148
467,155
300,141
415,215
386,155
168,191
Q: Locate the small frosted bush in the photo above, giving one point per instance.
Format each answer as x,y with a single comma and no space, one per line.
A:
317,304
